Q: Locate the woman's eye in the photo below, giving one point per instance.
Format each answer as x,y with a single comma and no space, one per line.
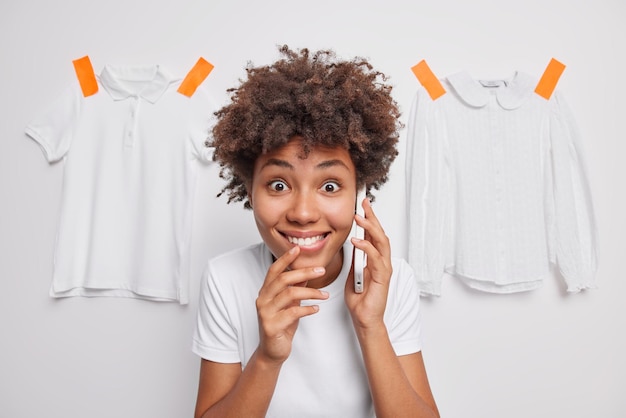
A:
330,187
278,185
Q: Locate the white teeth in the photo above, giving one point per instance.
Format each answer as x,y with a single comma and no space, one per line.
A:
305,242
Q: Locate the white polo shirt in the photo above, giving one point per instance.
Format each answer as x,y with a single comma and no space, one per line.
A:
131,152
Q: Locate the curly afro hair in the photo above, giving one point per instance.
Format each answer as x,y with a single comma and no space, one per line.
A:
317,97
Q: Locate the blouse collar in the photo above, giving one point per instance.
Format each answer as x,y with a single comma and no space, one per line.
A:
152,81
510,93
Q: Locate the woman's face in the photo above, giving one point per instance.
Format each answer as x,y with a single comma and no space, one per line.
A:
306,202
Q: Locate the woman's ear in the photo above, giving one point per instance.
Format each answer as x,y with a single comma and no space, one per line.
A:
249,193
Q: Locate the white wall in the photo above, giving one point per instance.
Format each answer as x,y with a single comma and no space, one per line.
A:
539,354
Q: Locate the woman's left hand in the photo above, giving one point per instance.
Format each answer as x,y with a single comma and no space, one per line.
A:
367,308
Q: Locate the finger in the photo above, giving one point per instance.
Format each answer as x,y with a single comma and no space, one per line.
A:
291,278
374,231
294,313
286,318
368,248
270,288
300,276
279,278
378,268
294,295
370,215
282,263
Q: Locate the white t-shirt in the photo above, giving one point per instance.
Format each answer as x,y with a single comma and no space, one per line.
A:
324,375
497,188
130,154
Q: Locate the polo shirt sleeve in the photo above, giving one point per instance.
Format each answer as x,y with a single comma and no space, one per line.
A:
214,338
54,127
574,221
200,123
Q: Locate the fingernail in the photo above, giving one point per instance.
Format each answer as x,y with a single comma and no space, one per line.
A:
293,249
319,269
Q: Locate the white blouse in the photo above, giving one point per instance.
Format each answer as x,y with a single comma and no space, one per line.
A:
497,189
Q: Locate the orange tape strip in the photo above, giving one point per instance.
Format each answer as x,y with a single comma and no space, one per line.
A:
195,77
86,76
428,80
549,79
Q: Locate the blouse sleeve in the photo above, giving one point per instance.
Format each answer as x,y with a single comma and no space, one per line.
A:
575,239
54,128
427,194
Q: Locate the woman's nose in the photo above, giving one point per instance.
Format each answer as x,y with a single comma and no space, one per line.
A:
303,208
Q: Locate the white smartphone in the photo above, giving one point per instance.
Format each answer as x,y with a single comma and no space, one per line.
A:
360,258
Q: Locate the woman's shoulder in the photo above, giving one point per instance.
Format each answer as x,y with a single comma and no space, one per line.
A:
237,271
252,256
403,278
252,251
401,268
241,262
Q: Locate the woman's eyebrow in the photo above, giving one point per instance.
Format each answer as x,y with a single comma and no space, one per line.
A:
331,163
277,162
285,164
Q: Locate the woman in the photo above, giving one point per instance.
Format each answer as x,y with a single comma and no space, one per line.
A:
281,331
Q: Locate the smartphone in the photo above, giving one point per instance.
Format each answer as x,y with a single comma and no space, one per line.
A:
360,258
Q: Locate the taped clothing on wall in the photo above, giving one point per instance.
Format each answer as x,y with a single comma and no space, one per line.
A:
130,156
497,190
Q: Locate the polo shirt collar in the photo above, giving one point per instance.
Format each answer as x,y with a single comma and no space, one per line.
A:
510,94
156,81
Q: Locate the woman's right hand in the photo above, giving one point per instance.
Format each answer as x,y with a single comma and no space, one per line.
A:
278,305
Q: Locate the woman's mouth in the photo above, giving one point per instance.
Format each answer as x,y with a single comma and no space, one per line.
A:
305,242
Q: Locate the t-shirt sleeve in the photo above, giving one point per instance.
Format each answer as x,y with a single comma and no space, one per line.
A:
214,337
54,127
403,316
